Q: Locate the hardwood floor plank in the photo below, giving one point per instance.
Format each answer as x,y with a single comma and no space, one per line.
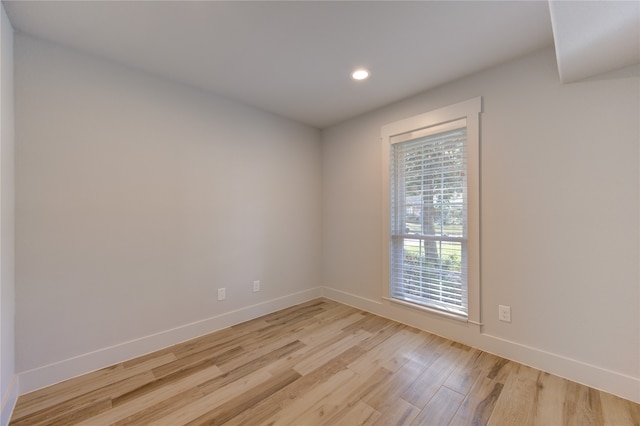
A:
171,373
515,405
369,322
406,349
241,403
249,326
269,406
393,387
287,363
215,399
388,355
619,412
72,388
321,355
338,404
85,405
152,398
293,413
335,405
72,415
210,347
399,413
195,361
250,354
289,395
153,356
478,405
440,409
42,398
549,398
263,362
466,373
217,342
359,414
426,384
256,324
423,352
582,406
157,412
311,325
381,336
319,332
293,316
318,363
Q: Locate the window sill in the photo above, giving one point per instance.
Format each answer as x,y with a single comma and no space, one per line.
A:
429,310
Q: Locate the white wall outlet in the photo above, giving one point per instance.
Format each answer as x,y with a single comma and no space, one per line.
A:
256,285
222,293
504,313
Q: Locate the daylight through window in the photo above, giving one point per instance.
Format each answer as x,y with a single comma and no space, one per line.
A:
429,220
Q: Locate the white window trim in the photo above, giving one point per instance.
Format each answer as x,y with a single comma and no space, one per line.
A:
469,110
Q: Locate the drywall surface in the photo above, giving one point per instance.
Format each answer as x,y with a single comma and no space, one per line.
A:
559,218
137,198
7,253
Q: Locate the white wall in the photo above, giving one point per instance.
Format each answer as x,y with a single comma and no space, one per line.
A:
8,385
136,199
559,219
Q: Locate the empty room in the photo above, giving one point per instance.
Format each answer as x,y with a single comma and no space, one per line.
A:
320,212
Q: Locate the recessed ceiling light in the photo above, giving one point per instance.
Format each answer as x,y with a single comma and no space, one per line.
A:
360,74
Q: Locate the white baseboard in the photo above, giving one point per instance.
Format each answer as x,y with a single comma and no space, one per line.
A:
619,384
57,372
9,401
625,386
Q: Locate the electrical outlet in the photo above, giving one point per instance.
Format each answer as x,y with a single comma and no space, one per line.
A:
256,285
504,313
222,293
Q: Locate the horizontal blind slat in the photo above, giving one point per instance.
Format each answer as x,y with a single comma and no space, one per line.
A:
428,241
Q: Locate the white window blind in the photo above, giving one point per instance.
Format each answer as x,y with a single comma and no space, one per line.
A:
428,215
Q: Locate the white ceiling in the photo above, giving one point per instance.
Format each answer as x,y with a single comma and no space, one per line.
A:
294,58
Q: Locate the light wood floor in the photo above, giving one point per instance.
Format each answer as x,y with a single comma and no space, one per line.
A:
321,363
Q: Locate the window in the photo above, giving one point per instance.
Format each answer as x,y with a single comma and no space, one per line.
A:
431,210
